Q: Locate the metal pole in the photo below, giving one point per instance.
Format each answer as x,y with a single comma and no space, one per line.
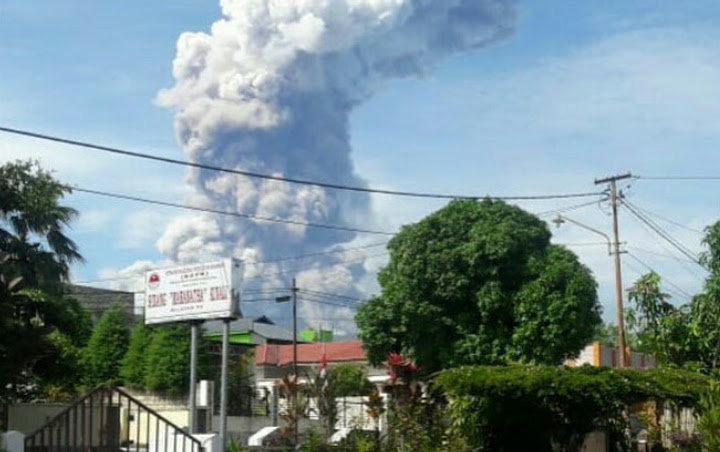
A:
295,360
192,416
223,383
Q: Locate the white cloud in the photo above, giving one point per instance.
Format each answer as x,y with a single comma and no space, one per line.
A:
93,220
141,227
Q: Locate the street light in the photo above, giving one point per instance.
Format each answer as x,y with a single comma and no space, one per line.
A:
560,219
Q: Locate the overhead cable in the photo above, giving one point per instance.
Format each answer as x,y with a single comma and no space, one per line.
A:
661,232
668,220
679,178
250,263
330,295
231,214
104,148
663,278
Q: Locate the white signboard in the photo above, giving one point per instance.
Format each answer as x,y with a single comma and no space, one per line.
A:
193,292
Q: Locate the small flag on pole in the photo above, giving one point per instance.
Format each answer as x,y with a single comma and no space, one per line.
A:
323,371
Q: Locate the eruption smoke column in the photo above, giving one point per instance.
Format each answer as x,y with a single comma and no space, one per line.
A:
270,90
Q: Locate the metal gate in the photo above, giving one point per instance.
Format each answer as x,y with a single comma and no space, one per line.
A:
110,420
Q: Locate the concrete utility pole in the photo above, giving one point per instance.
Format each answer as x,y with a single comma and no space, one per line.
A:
192,415
294,289
295,358
612,180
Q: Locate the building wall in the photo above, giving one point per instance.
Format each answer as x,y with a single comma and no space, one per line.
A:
599,355
28,417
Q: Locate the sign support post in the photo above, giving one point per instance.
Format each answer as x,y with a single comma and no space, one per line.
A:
224,383
192,416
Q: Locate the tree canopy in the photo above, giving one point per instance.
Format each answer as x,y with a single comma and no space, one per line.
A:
32,225
684,335
107,346
479,283
134,365
41,332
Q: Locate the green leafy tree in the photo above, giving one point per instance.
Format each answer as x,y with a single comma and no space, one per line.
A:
479,283
60,368
168,360
709,420
40,330
686,335
661,328
607,334
106,348
705,307
350,380
134,365
32,225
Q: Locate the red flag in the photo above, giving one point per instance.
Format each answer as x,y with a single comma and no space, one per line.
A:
323,366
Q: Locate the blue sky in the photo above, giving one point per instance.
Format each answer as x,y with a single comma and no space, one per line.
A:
580,90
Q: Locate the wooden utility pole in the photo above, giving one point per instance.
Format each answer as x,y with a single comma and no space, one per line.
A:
612,180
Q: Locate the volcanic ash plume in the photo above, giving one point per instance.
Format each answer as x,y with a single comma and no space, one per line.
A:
270,88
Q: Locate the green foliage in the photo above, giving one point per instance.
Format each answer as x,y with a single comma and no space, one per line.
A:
709,421
688,335
32,224
235,446
134,365
479,283
350,380
158,359
40,341
661,329
490,406
107,346
40,331
168,360
240,384
607,334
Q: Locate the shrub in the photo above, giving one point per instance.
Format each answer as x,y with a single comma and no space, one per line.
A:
548,408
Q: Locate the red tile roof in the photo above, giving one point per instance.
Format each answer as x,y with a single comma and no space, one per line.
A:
282,355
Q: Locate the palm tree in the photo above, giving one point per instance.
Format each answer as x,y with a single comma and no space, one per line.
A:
32,225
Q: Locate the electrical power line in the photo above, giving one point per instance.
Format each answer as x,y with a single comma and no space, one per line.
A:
232,214
639,272
128,153
668,220
248,263
679,178
330,303
252,278
570,207
655,253
661,232
330,295
347,262
663,245
320,253
582,243
644,264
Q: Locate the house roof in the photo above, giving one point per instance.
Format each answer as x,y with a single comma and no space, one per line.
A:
97,300
262,326
281,355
